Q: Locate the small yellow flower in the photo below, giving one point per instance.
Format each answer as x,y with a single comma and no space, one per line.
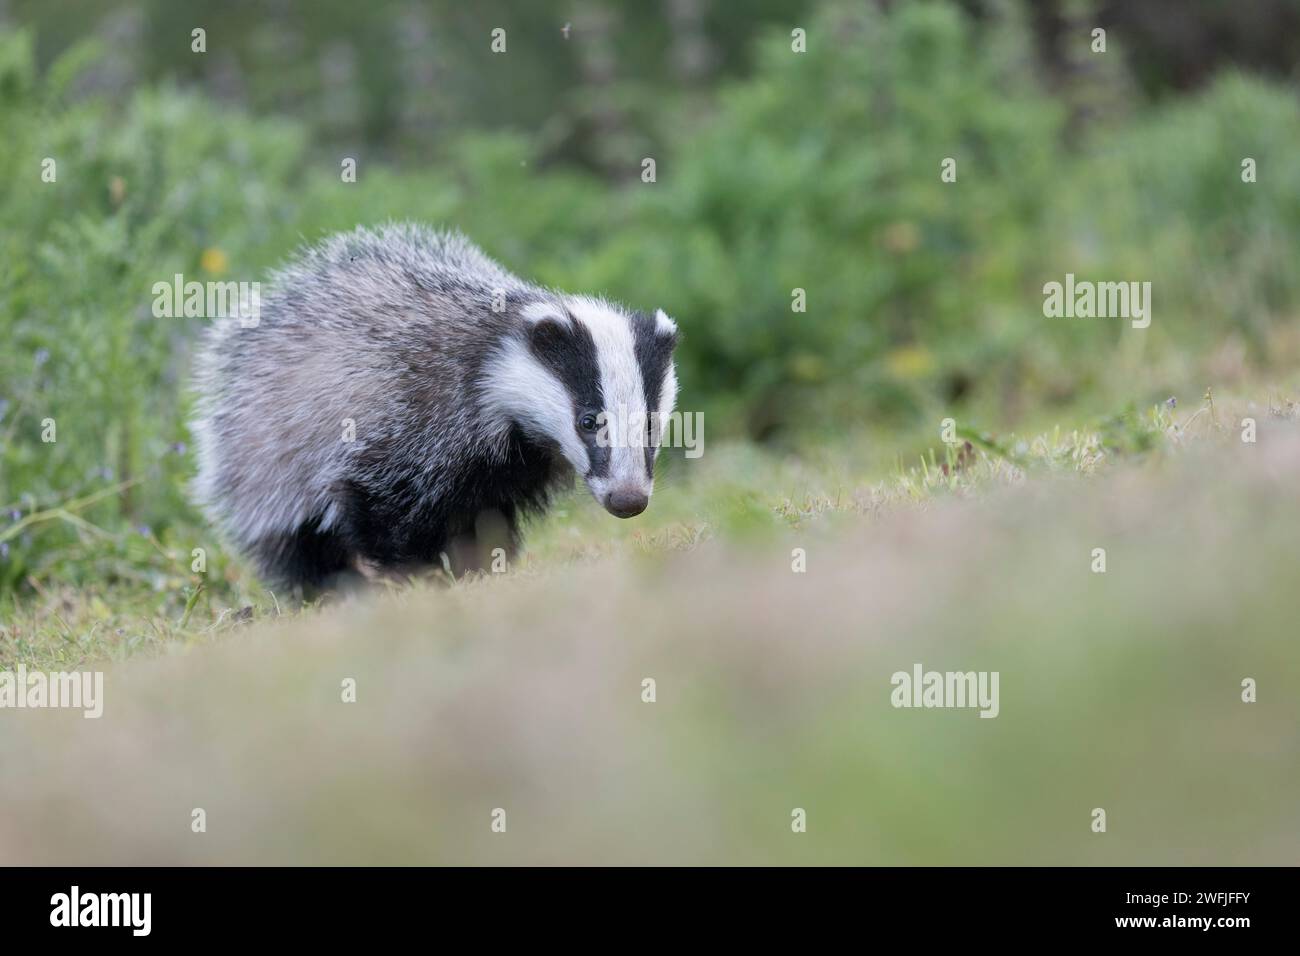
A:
902,237
805,367
213,262
910,361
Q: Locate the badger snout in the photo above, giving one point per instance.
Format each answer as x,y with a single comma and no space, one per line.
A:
626,502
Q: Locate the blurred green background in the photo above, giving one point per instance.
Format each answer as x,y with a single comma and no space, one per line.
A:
775,171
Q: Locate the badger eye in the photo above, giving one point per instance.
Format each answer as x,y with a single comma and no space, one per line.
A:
587,422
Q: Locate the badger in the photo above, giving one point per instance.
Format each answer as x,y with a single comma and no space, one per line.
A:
402,398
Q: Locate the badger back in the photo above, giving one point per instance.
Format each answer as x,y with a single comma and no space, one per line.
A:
369,340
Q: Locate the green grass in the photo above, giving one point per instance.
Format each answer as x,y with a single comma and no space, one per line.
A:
153,603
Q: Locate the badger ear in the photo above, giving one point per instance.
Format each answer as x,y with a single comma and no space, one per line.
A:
546,326
537,313
665,327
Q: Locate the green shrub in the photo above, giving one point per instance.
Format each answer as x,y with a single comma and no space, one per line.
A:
1164,201
169,185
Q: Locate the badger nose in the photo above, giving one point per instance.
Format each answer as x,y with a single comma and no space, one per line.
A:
626,502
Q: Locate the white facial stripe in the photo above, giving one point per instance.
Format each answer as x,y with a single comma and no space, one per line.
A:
668,389
518,388
667,398
621,385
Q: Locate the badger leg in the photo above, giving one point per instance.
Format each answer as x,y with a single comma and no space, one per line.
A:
382,538
488,545
306,559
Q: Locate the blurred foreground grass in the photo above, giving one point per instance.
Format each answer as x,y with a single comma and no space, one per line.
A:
1119,690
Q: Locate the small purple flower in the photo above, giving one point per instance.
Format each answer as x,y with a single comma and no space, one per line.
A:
179,447
42,356
4,550
144,530
1171,402
15,515
106,473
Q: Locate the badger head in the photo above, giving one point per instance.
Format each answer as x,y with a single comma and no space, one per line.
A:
597,382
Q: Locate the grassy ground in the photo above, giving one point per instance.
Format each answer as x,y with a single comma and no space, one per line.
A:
152,602
523,692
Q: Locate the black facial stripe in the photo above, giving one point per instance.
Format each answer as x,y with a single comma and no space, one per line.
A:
654,352
568,350
599,457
